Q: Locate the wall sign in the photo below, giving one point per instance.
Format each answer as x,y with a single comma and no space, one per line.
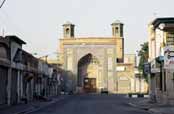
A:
169,57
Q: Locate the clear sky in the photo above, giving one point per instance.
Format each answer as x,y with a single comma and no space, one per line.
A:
39,22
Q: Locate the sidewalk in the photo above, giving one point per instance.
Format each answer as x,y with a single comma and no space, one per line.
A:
162,110
31,107
156,108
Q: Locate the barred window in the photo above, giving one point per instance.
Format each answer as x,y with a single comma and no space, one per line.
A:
170,38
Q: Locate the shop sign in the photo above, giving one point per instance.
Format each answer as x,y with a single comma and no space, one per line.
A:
169,57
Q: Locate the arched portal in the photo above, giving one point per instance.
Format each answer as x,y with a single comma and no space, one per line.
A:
88,73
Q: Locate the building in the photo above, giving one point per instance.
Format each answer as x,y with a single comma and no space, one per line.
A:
130,58
161,36
24,77
125,77
4,69
129,80
92,59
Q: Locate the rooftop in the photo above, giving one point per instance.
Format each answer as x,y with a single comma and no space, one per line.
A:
165,20
117,22
68,23
15,38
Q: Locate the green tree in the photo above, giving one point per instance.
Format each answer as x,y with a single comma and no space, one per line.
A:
144,55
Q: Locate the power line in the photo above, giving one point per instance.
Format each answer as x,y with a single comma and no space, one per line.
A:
2,3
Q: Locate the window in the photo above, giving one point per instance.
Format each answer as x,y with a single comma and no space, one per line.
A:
3,52
116,30
170,38
67,31
121,31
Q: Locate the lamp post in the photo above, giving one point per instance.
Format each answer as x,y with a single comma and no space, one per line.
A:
136,66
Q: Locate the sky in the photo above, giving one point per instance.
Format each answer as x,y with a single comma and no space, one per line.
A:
39,22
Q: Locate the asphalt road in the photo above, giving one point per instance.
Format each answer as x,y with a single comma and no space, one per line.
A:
92,104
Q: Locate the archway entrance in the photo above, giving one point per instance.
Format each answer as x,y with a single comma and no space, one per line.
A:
88,73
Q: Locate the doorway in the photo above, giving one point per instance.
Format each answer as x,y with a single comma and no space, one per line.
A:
90,85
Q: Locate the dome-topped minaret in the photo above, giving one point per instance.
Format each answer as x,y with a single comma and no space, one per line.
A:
117,29
68,30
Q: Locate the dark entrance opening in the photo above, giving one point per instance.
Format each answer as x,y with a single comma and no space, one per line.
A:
90,85
3,85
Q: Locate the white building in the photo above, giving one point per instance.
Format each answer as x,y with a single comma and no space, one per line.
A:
161,35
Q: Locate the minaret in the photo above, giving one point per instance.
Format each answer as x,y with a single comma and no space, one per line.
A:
117,32
117,29
68,30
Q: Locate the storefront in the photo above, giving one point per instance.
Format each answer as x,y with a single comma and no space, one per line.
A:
3,84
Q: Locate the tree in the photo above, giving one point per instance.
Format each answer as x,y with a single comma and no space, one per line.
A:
144,55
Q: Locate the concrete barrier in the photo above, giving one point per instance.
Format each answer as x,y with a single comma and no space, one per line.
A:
132,95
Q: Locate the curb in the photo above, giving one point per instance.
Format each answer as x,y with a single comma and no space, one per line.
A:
143,108
155,111
149,110
24,111
138,96
33,109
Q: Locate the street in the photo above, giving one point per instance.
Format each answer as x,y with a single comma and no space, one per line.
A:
92,104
